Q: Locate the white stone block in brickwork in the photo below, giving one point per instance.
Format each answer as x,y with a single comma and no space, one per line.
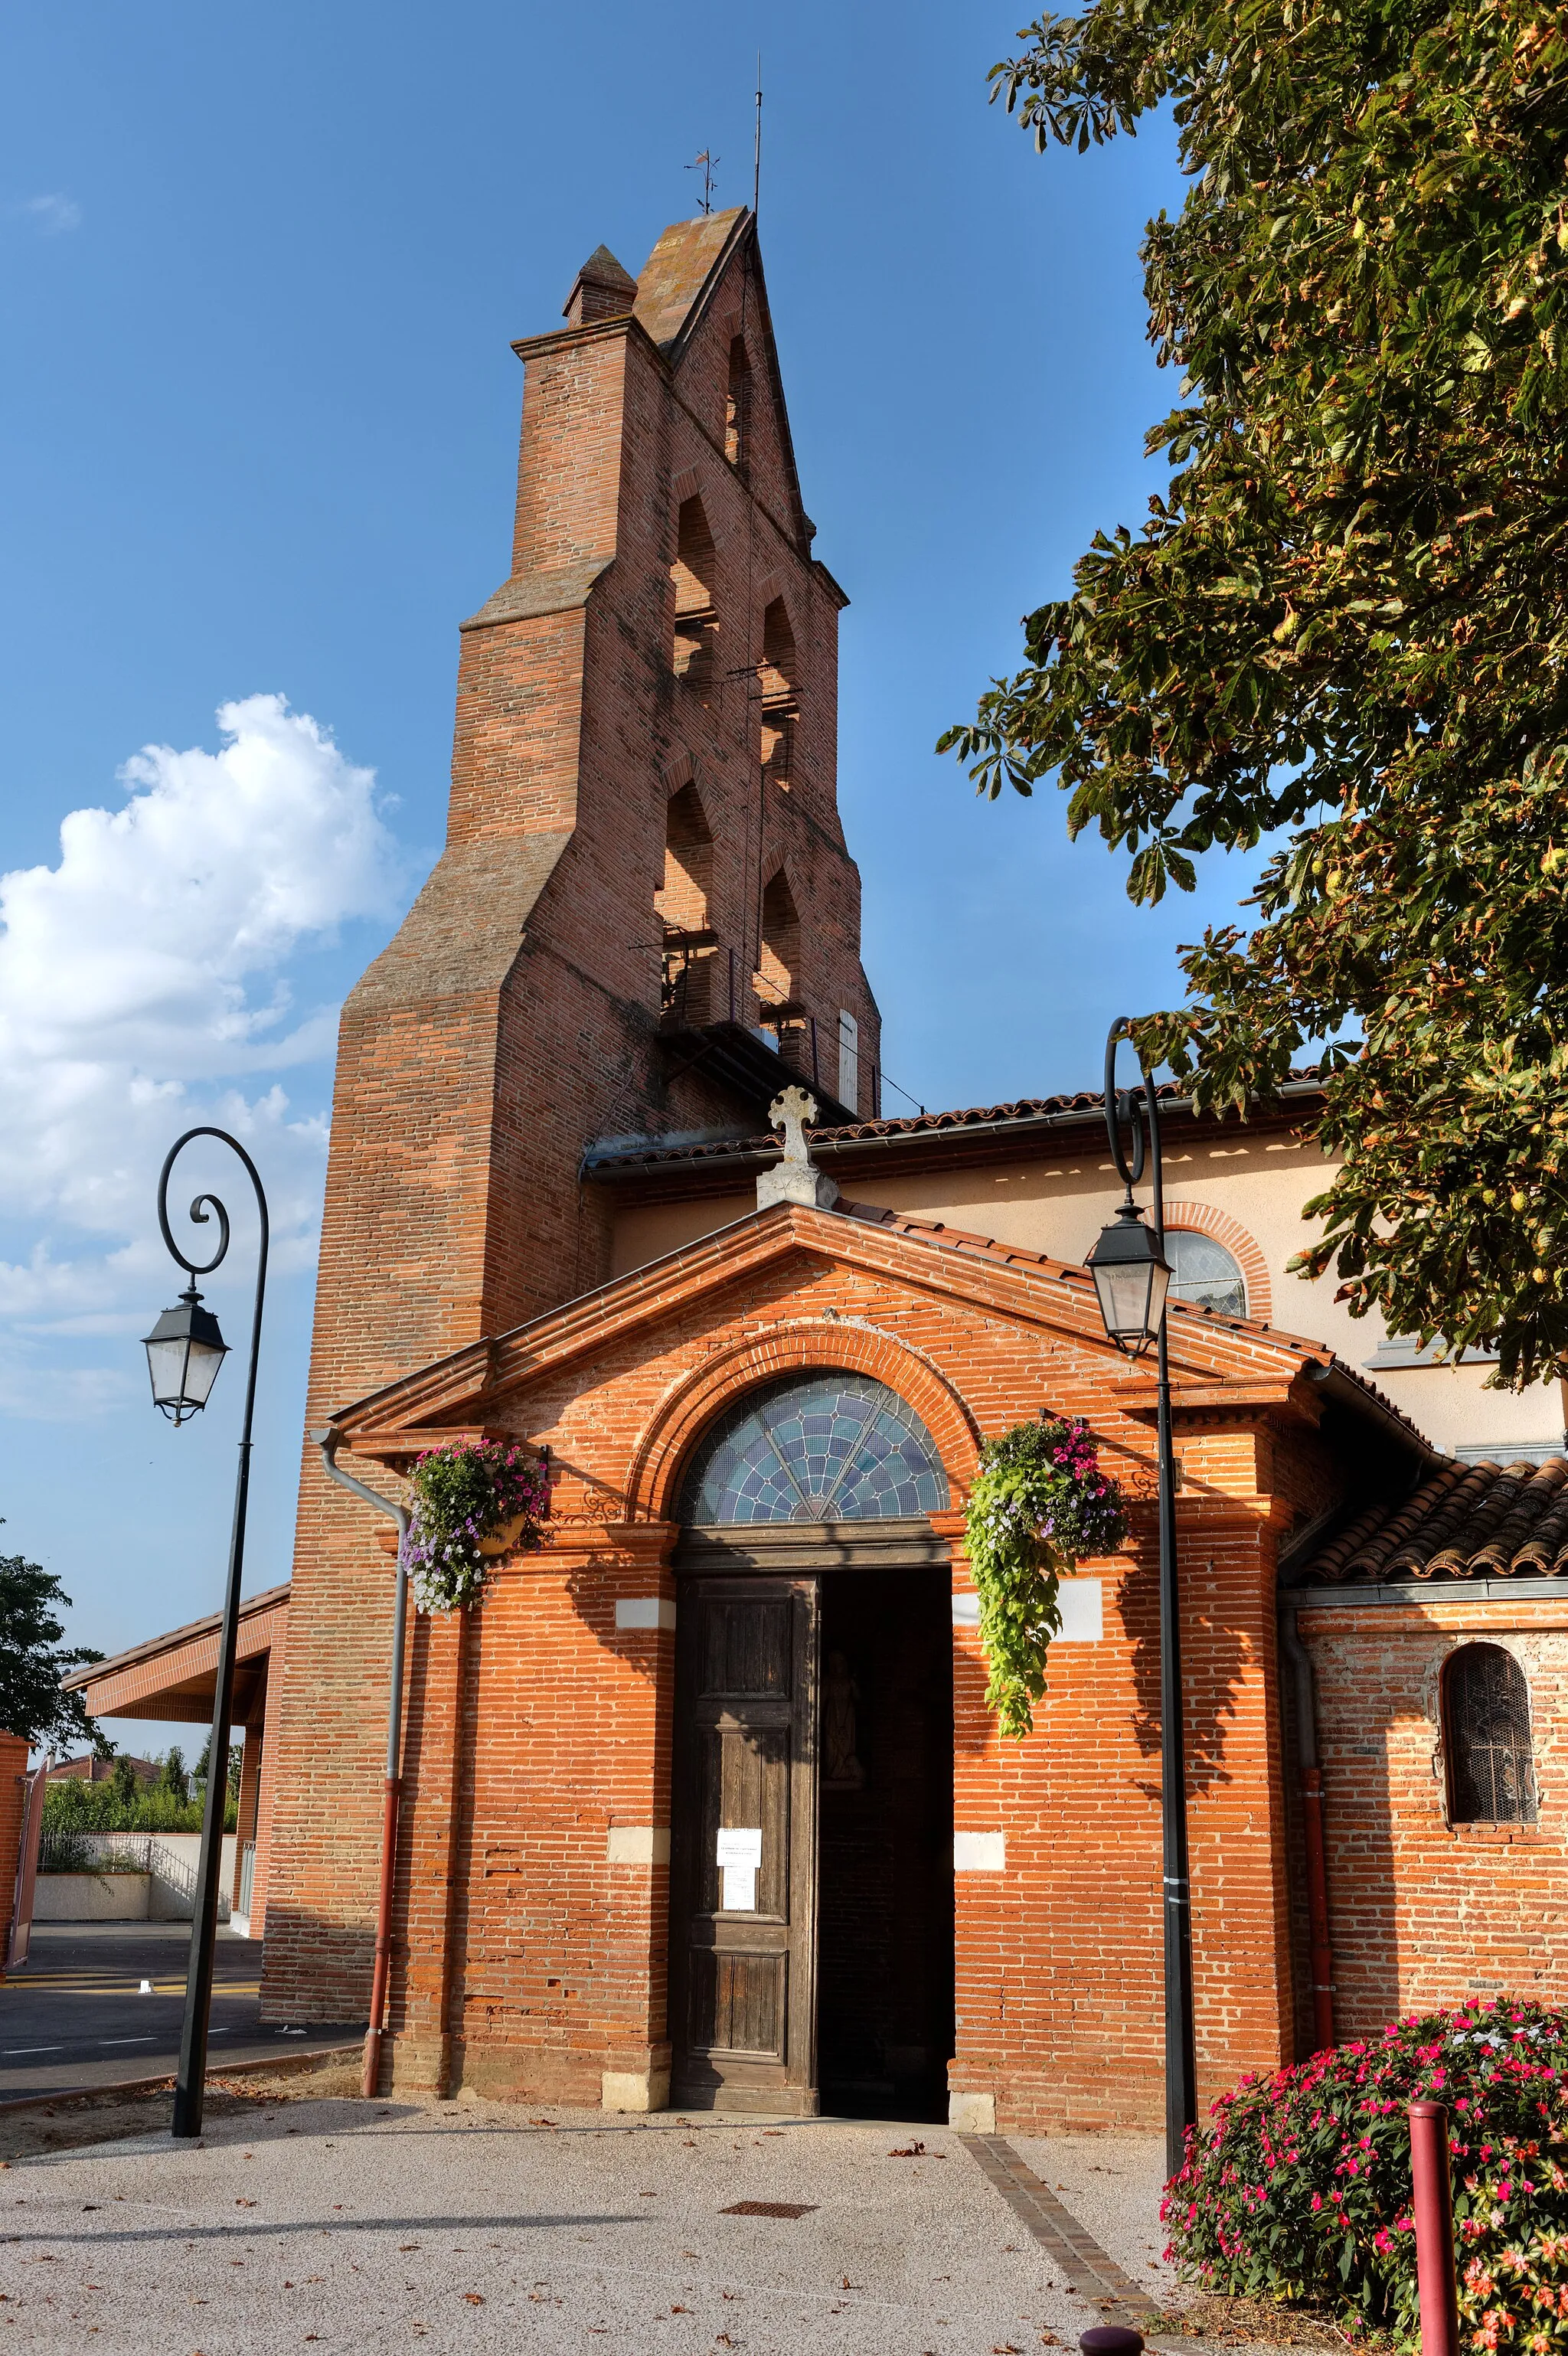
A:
965,1612
645,1612
1082,1604
979,1853
634,2089
637,1844
971,2114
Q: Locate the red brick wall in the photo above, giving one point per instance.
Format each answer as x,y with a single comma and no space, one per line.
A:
512,1021
13,1802
529,1963
1423,1913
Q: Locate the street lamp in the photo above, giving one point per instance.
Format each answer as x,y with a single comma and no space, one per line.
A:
185,1351
1132,1279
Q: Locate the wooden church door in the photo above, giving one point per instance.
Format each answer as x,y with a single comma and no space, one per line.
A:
743,1846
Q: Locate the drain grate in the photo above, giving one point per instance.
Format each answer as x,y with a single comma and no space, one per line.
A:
769,2209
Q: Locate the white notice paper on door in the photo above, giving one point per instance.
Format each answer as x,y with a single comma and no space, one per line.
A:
739,1893
740,1845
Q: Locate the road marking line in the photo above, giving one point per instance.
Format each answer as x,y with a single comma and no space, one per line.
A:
127,2041
12,2051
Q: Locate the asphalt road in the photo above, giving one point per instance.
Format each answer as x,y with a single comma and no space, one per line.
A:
73,2016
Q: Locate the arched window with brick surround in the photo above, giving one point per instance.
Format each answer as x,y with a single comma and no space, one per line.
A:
1486,1738
778,966
682,901
696,619
781,703
1204,1272
824,1446
738,406
1216,1262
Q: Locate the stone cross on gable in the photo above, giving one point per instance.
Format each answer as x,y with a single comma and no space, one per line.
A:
790,1111
796,1178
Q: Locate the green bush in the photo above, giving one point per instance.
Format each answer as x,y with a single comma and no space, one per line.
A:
1300,2187
80,1807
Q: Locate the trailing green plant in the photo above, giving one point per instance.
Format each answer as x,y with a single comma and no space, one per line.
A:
1039,1504
1300,2187
463,1495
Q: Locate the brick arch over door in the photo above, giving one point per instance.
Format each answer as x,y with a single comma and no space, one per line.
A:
653,1482
1203,1219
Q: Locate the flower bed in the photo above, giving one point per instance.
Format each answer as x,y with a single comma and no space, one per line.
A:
1300,2185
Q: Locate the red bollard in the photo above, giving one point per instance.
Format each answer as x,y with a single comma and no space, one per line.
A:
1433,2205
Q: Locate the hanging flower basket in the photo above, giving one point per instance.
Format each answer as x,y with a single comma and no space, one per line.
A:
1040,1505
472,1501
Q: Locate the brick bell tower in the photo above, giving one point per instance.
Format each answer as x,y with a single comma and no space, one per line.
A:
644,920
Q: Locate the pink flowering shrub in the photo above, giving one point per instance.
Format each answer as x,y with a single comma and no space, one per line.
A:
1299,2188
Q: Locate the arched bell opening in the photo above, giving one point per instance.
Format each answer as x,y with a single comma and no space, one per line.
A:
812,1921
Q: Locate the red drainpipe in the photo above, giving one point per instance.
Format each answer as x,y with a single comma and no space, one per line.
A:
329,1443
1311,1789
1431,2199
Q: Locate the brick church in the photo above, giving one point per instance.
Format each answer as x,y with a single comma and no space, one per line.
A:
763,1408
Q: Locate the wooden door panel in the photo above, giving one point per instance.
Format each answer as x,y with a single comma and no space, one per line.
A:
745,1645
739,2008
742,2004
744,1778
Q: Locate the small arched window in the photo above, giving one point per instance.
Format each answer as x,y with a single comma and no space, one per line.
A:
1203,1272
1486,1738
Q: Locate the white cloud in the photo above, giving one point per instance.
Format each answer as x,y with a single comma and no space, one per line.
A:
143,987
52,214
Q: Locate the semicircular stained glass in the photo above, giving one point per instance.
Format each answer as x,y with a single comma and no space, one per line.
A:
826,1447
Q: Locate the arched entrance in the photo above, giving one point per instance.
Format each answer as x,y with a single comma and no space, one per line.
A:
811,1888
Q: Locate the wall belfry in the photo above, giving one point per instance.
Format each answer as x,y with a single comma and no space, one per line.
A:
645,910
644,776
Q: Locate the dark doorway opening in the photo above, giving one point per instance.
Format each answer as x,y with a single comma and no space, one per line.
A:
885,1973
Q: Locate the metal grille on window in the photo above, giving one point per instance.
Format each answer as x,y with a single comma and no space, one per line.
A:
816,1448
1203,1272
1486,1708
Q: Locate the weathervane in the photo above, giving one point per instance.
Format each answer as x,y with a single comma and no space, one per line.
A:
706,164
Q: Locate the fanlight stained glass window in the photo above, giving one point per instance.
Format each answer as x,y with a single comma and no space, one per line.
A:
816,1448
1202,1271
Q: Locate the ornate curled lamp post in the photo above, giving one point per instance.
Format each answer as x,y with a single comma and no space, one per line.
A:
1131,1278
185,1350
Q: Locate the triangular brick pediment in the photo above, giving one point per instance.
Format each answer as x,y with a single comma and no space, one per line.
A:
744,1271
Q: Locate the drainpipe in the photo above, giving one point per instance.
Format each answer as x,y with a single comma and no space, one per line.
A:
1312,1825
329,1443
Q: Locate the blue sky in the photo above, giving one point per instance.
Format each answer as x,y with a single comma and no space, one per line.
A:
260,271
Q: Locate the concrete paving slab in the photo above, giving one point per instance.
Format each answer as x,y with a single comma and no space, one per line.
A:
470,2226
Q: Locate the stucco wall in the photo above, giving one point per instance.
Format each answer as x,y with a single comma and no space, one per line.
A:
1259,1175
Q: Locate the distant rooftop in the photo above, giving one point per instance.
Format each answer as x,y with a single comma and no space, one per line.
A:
622,1157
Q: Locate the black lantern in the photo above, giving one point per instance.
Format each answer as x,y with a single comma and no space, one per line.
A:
1131,1278
185,1350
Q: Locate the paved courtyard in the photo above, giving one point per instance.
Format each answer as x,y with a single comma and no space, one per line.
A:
334,2225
